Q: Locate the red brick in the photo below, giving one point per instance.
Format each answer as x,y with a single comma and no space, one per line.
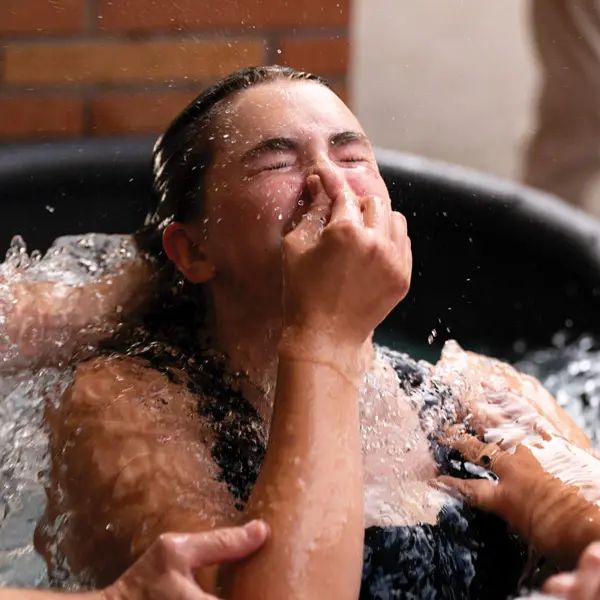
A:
29,117
200,14
27,64
324,56
19,17
138,112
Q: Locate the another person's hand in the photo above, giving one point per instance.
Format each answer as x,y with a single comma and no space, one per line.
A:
346,266
166,570
552,516
581,584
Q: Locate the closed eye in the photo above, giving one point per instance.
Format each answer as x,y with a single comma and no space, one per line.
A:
353,159
279,165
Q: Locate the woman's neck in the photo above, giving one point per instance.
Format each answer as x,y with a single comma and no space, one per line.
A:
249,339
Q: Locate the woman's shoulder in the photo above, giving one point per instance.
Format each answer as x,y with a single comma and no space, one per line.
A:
120,378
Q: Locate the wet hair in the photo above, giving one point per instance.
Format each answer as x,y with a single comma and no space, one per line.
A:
184,152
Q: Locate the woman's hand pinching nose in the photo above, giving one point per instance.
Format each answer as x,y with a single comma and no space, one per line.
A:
341,276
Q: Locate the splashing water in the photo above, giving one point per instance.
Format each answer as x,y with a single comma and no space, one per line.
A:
23,472
571,373
23,391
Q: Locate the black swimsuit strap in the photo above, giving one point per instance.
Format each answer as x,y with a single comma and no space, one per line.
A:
239,447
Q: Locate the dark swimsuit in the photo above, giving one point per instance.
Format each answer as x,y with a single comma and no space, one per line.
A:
467,554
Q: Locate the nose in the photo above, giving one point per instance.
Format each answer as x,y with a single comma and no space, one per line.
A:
331,174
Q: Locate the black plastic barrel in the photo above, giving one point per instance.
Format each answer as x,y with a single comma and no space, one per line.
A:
497,266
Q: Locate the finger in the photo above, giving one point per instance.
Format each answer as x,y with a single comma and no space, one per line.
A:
476,492
399,232
400,239
526,455
184,588
408,257
591,556
376,214
319,210
346,206
559,585
452,432
369,209
479,453
586,585
222,545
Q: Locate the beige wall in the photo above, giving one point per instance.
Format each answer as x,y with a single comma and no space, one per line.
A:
449,79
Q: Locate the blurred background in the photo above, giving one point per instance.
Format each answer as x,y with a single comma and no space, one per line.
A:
456,80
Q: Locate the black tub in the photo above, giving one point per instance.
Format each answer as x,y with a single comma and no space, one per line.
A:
495,263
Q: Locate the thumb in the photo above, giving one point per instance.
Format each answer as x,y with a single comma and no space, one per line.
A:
559,585
319,211
480,493
225,545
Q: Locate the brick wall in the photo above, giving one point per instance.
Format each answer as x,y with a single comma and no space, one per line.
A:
99,67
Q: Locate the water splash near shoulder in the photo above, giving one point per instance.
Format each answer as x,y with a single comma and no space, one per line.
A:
24,472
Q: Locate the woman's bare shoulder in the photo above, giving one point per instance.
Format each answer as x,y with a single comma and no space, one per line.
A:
106,381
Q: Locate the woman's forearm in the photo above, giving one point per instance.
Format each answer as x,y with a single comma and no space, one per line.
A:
310,491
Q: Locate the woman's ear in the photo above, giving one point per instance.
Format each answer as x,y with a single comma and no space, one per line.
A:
186,255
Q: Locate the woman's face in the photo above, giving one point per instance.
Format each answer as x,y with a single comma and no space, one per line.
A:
267,141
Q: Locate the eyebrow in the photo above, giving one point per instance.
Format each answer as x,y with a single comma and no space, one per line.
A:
341,138
348,137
